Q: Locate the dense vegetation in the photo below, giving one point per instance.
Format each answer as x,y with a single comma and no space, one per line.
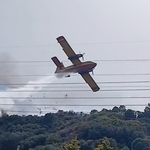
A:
116,129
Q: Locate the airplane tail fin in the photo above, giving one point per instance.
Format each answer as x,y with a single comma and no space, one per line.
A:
58,64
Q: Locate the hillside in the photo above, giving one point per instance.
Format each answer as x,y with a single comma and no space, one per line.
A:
116,129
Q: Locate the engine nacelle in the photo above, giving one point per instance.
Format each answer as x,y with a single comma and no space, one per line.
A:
76,56
79,55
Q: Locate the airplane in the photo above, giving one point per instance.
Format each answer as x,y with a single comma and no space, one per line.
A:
82,68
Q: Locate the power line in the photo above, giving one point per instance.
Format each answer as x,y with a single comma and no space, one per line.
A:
80,83
85,43
83,98
34,61
121,60
123,74
102,74
97,60
102,86
24,111
84,105
75,90
85,86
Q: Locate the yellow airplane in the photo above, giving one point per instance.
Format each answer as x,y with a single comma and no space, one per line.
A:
83,68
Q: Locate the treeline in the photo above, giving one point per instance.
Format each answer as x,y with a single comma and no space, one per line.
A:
116,129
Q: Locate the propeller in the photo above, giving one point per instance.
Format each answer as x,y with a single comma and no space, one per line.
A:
92,72
82,55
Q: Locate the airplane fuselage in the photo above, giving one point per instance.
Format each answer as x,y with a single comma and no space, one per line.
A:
84,67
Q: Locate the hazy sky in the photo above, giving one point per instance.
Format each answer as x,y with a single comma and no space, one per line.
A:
104,30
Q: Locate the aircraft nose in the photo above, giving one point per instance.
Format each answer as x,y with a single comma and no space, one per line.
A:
95,64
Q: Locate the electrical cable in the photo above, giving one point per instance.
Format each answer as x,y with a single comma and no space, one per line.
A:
84,105
103,86
103,74
85,43
97,60
74,90
80,83
83,98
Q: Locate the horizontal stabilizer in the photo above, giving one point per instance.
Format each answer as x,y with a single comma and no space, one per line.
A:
57,62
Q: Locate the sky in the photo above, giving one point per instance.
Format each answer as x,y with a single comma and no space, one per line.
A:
103,30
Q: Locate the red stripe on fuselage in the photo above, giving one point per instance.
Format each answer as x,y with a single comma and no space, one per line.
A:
85,66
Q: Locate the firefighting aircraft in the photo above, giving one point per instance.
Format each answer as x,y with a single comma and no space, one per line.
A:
83,68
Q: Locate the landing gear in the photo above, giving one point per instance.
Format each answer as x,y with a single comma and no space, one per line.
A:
67,76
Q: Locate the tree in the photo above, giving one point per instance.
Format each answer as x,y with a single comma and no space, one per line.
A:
86,145
53,138
115,109
129,114
105,145
94,111
122,108
147,111
72,145
125,148
33,141
140,144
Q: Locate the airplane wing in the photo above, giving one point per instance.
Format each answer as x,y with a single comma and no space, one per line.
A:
68,50
90,81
